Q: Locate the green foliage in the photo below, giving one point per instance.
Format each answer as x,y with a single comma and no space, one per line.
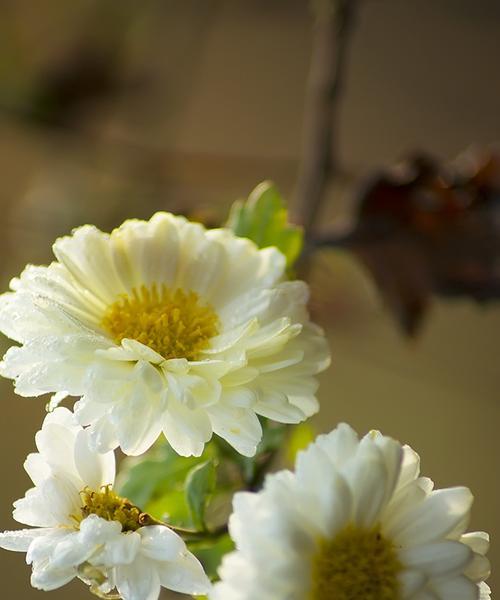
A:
300,437
263,218
200,485
156,483
250,468
195,493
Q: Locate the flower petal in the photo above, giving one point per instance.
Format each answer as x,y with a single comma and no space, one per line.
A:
94,469
20,539
138,581
160,543
186,430
184,575
240,427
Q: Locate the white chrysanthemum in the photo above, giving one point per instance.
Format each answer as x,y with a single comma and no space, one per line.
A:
81,528
165,326
355,521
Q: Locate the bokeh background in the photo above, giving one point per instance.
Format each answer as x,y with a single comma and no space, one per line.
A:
110,110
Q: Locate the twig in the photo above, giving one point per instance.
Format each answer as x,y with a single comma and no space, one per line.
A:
319,155
195,535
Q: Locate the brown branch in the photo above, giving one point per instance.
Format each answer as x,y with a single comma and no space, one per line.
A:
319,162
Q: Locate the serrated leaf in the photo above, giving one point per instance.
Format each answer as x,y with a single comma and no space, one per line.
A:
300,437
263,218
200,484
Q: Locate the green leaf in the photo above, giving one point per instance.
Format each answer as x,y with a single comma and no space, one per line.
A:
263,218
273,437
300,437
200,484
155,482
171,508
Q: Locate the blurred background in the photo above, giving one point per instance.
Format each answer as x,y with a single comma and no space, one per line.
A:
111,110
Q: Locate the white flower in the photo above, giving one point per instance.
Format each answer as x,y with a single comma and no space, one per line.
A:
83,529
355,521
165,326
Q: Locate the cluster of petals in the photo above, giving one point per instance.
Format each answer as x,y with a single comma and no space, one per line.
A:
255,354
61,547
263,360
342,481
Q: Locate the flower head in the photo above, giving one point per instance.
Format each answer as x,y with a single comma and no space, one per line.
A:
82,528
165,326
355,521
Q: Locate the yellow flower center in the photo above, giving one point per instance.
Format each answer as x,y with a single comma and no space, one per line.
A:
174,323
106,504
357,564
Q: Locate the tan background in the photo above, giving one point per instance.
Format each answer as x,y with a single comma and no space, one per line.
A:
220,108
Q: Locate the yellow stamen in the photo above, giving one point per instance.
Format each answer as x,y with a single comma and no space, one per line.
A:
174,323
106,504
356,564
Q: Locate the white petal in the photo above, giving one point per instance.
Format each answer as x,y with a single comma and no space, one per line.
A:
94,469
102,436
146,252
425,594
201,266
411,582
276,406
478,541
392,453
160,543
36,467
367,479
95,530
50,364
438,559
20,540
434,518
50,579
184,575
137,425
248,269
186,430
87,257
61,416
48,505
340,445
410,466
56,445
329,491
138,581
459,588
138,351
308,405
42,547
478,569
71,552
240,427
121,550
